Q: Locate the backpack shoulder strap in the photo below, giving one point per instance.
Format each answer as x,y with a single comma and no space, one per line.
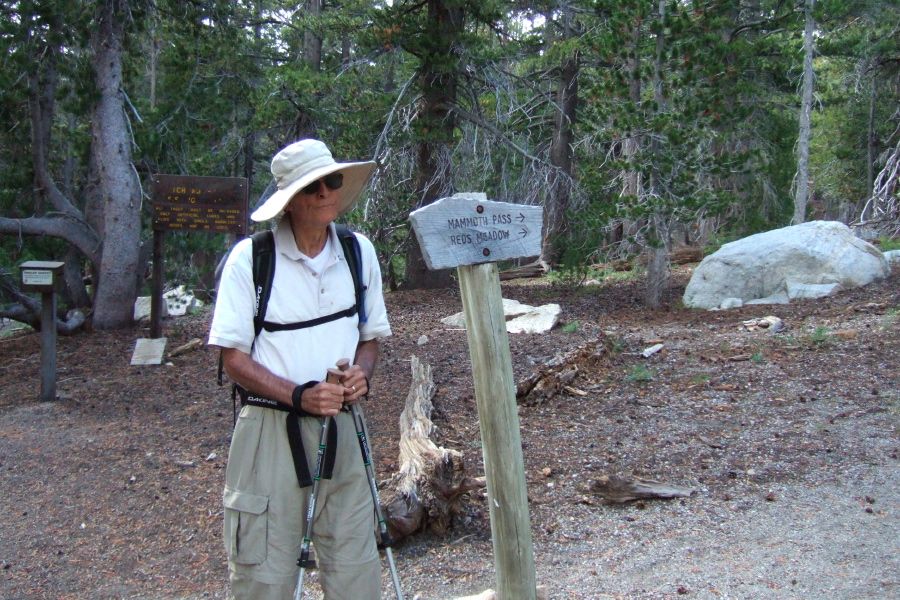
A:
263,274
263,262
353,254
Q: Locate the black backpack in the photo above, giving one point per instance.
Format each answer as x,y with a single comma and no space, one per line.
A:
264,274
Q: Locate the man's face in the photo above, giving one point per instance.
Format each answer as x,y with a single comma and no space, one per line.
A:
318,203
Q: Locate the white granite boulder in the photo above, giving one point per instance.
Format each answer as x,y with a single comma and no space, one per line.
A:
808,260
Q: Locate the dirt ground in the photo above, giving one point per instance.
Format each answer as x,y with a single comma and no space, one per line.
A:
790,441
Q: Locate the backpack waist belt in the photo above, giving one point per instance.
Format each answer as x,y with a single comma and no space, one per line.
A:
292,424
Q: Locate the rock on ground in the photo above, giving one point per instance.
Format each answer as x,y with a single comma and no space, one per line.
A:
767,264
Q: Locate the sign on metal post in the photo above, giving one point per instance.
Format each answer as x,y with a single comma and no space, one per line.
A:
45,277
472,233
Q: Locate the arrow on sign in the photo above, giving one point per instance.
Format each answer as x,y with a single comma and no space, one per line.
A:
521,217
524,232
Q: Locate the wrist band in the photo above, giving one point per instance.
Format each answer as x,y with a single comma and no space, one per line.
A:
297,398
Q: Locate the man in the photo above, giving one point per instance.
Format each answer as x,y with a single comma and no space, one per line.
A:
265,505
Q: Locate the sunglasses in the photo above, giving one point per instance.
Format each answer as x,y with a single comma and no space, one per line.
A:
333,181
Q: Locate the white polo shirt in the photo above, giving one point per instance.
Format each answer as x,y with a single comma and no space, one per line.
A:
303,289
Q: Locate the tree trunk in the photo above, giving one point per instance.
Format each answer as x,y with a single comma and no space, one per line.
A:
117,185
435,129
561,153
657,276
658,257
76,292
154,63
632,184
432,185
802,196
870,155
312,43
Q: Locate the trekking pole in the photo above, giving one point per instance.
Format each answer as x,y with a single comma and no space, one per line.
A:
386,540
333,376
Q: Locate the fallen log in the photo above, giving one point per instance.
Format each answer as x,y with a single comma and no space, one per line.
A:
686,255
614,488
535,269
31,315
185,348
426,491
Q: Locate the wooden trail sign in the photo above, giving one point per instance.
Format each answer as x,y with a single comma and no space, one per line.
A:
436,225
464,231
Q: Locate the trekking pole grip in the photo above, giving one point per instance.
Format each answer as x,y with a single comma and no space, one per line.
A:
333,376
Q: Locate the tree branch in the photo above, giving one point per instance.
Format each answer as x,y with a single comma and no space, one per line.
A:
475,120
762,23
81,235
43,107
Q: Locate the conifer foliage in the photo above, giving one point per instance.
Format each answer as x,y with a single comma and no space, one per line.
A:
639,125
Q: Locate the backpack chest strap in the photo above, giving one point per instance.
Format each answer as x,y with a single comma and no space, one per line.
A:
270,327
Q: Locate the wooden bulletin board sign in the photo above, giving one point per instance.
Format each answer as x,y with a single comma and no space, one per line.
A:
192,203
187,203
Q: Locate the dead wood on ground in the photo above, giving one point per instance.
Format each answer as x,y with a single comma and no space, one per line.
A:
614,488
686,255
542,593
535,269
192,345
552,377
425,493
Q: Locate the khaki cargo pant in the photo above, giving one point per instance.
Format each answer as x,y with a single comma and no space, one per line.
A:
265,512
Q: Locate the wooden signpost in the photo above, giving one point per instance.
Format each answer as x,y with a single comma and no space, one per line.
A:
45,277
187,203
471,233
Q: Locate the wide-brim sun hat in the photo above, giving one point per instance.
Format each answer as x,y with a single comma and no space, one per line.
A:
304,162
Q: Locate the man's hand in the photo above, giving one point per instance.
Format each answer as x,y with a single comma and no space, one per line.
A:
354,381
324,399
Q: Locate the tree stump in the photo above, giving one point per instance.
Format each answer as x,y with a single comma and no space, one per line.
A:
425,493
552,377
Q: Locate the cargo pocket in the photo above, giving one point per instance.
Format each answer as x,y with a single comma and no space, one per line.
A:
246,527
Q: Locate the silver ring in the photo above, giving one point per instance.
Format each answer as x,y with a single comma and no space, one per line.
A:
353,387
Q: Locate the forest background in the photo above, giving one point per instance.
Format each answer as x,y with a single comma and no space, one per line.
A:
639,126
